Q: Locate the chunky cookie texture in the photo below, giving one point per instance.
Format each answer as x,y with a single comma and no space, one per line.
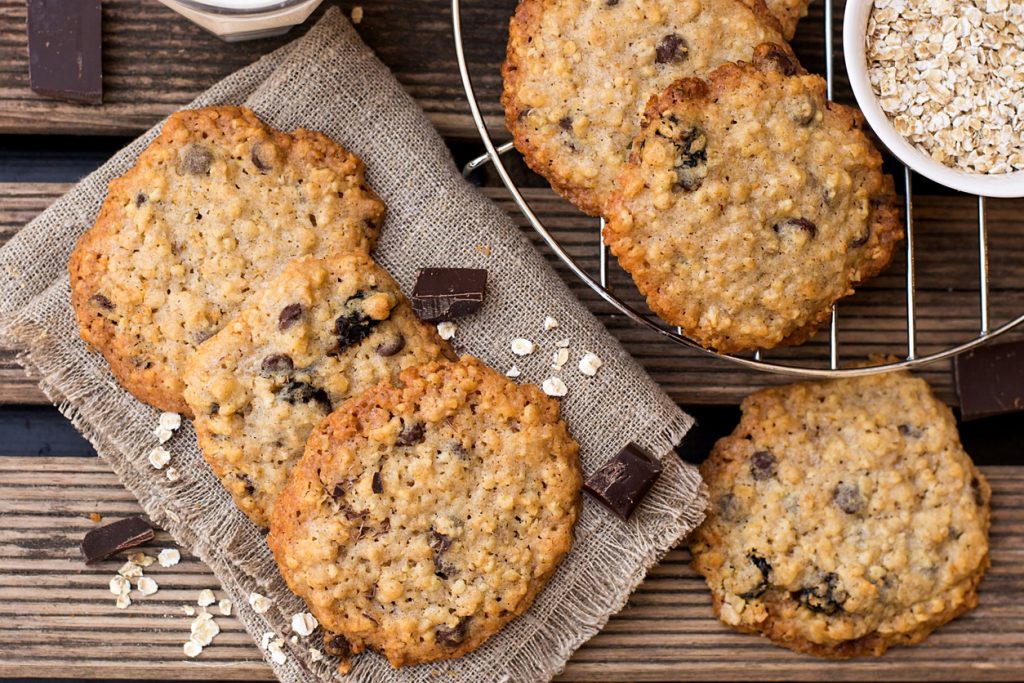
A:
845,517
751,204
215,206
322,331
788,12
578,73
429,512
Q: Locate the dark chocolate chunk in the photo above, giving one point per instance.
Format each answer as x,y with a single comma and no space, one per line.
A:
825,597
440,543
624,480
990,380
112,538
411,435
337,646
392,344
195,159
301,392
910,431
289,316
775,58
102,301
257,159
672,48
354,326
765,568
847,498
64,50
762,465
691,160
796,224
448,293
451,636
377,484
565,123
141,199
277,363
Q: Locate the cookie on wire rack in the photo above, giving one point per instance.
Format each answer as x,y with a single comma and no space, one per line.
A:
428,513
845,517
751,204
216,205
322,331
578,73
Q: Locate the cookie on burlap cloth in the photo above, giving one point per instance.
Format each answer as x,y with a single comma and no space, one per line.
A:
320,332
217,204
428,513
751,204
845,517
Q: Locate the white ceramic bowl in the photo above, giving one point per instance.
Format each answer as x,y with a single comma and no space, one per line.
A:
855,24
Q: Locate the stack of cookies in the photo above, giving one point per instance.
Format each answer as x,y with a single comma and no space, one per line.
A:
416,502
742,202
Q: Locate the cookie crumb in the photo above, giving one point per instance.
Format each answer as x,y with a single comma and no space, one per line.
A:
259,603
513,372
95,517
206,598
159,457
553,386
446,330
168,557
304,623
550,323
357,14
483,249
589,364
522,347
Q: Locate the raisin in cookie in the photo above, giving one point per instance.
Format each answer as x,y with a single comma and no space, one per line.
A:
322,331
845,517
578,73
750,205
429,512
216,204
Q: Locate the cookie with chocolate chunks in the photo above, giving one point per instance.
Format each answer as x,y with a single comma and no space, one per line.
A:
751,204
319,333
429,512
845,517
213,208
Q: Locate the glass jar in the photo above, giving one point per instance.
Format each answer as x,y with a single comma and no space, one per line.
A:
234,20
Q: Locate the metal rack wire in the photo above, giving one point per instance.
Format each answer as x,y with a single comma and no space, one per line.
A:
758,361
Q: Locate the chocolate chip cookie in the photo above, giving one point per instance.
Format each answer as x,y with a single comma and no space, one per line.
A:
428,513
322,331
216,204
751,204
845,517
788,12
578,73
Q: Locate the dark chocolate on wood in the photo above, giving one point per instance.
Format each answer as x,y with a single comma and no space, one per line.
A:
448,293
115,537
64,49
624,480
990,380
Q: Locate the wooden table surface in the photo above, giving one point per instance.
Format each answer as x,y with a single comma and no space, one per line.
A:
58,616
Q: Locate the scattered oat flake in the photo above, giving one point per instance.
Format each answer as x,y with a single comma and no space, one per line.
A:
357,14
446,330
315,655
562,343
294,640
192,648
95,517
204,629
589,364
513,372
259,603
560,358
553,386
163,435
169,557
173,474
123,601
304,623
141,559
146,585
550,323
206,598
267,637
159,457
130,570
119,585
225,607
189,610
276,653
170,420
522,347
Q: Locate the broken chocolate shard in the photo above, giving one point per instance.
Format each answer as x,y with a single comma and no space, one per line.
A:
990,380
113,538
448,293
624,480
64,50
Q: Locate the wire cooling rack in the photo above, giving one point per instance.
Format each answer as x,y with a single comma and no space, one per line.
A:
759,361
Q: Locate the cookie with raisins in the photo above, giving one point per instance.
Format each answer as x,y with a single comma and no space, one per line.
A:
788,12
214,206
578,73
428,512
845,517
322,331
751,204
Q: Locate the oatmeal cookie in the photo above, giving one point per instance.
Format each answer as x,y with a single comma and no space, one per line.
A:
751,204
428,513
845,517
322,331
788,12
578,73
218,203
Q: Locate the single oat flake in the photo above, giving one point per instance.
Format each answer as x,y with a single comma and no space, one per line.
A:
948,74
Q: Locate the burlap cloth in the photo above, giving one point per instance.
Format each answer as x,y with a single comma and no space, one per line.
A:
331,82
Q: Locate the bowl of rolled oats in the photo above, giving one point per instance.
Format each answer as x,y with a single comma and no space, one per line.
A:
941,83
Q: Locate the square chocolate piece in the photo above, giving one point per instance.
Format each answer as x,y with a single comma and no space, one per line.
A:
113,538
65,50
990,380
624,480
448,293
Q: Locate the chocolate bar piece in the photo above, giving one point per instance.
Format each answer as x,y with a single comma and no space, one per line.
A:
624,480
448,293
990,380
64,50
113,538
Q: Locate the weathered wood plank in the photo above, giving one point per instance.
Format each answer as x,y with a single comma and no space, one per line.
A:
667,632
871,322
156,61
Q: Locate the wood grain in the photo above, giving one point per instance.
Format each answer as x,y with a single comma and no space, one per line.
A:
871,322
155,61
58,616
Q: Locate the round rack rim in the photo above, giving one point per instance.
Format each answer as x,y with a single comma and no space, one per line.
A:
912,359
